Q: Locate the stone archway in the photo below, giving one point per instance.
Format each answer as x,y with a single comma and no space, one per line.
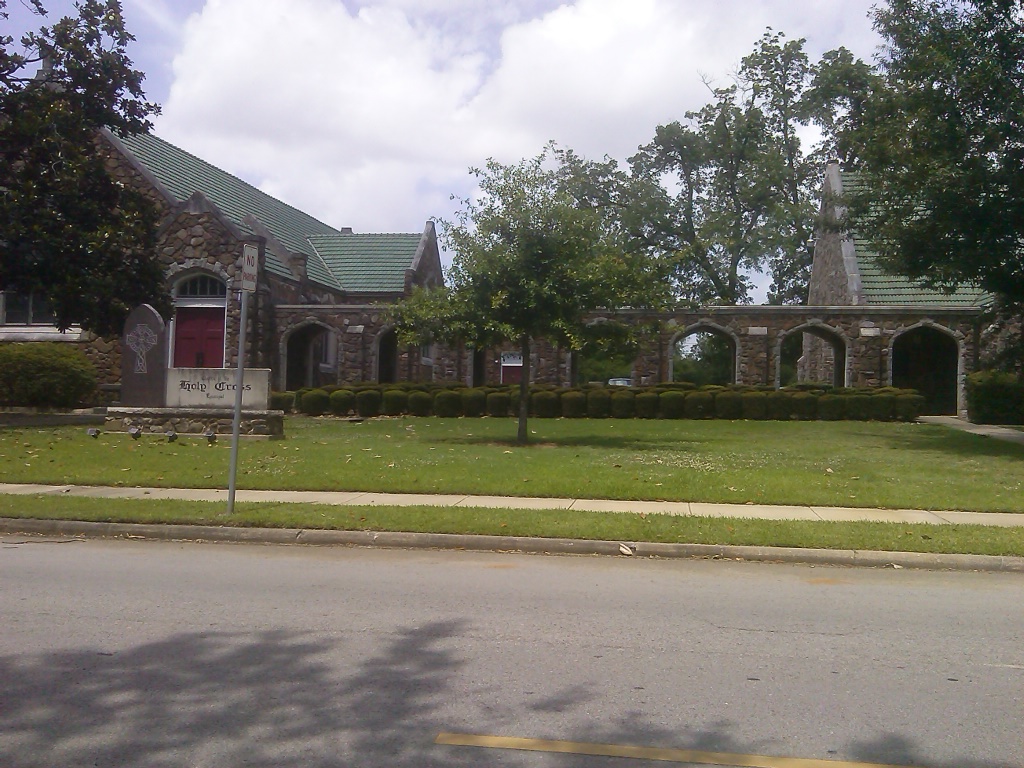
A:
309,356
716,352
387,356
823,355
927,358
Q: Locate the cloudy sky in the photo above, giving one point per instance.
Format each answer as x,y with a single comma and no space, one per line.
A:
368,114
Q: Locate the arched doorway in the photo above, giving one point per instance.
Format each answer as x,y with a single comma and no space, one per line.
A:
814,354
387,357
199,314
703,355
312,357
926,359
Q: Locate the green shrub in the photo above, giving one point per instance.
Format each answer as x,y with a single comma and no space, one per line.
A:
497,404
780,405
646,405
315,402
995,398
368,402
672,404
474,402
804,405
858,407
728,405
343,402
599,403
44,375
299,393
544,404
394,402
831,407
881,407
623,405
420,402
574,404
755,405
447,404
699,405
282,401
907,407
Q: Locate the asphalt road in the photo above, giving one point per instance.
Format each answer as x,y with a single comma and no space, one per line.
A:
125,653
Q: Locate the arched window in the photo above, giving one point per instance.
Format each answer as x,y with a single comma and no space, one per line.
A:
201,287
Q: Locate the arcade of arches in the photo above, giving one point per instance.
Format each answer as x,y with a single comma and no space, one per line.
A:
930,349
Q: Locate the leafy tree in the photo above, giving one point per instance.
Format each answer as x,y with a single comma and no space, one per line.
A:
529,263
68,232
729,190
941,145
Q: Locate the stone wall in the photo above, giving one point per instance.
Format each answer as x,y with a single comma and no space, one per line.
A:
196,421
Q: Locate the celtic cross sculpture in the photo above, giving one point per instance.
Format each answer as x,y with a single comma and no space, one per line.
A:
140,340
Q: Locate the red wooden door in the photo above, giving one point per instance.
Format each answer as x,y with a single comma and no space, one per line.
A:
199,337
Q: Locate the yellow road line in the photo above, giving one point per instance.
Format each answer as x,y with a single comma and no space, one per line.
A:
644,753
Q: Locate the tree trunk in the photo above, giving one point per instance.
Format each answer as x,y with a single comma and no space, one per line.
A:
524,390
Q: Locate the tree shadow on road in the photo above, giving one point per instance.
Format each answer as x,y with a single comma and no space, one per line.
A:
220,699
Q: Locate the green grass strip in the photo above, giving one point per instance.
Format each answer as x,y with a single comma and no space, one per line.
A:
892,537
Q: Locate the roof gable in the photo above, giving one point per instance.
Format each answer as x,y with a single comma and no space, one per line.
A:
368,263
880,287
182,174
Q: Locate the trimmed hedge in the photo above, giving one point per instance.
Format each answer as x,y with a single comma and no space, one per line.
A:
599,404
804,406
368,402
672,404
282,401
728,405
45,375
544,404
754,405
699,405
623,405
395,402
474,402
574,404
831,407
646,405
447,404
994,397
315,402
343,402
497,404
420,403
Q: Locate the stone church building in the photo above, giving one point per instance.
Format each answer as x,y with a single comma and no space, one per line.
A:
319,315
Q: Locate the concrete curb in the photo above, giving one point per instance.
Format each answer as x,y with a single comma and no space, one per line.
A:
480,543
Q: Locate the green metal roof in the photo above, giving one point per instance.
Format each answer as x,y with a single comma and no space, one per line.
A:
368,263
881,287
184,174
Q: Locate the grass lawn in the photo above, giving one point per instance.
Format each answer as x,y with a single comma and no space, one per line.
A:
964,539
853,464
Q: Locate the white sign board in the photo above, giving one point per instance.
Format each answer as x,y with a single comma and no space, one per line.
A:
250,267
512,358
215,388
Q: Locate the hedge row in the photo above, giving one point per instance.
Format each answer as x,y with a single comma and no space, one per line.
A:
45,375
712,402
995,398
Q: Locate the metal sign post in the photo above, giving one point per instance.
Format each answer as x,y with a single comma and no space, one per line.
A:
250,270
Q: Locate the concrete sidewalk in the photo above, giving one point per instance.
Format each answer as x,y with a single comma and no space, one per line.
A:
702,509
985,430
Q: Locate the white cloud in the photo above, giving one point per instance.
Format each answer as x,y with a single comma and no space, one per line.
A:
367,114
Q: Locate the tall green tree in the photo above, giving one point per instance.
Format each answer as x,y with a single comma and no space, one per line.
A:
529,263
942,145
68,232
728,191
